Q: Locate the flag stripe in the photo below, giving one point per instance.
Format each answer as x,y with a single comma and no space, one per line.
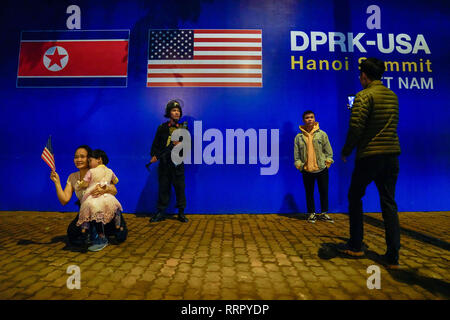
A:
237,49
240,70
47,160
72,77
76,35
228,57
204,75
235,36
71,82
49,164
76,40
228,31
226,53
204,84
226,66
204,80
199,63
47,153
48,157
227,40
226,44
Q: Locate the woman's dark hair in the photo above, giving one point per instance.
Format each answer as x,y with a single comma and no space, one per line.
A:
97,153
87,148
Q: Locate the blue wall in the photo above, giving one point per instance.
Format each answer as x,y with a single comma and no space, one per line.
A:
123,121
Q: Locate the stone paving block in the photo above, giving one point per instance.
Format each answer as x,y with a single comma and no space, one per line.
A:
95,282
129,281
106,288
242,267
167,271
31,289
117,275
119,293
246,288
191,294
295,282
228,294
229,282
44,293
97,296
148,275
127,266
59,282
212,276
197,272
194,282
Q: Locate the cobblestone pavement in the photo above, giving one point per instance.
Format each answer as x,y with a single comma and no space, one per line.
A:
222,257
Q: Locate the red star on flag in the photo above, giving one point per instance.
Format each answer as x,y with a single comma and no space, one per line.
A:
55,58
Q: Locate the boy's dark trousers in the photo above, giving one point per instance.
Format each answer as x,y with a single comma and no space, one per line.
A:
383,169
168,175
322,182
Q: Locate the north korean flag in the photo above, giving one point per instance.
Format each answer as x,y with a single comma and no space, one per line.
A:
73,58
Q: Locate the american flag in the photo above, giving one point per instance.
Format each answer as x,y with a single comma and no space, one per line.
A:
47,154
205,58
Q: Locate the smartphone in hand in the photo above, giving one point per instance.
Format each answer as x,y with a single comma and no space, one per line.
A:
351,99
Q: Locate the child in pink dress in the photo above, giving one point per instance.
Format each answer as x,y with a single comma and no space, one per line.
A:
105,207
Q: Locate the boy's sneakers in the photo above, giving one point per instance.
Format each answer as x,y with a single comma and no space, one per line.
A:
98,244
326,217
312,218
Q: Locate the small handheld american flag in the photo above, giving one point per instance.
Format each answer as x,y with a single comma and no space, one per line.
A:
47,154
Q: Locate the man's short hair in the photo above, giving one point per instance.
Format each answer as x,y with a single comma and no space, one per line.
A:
307,112
373,68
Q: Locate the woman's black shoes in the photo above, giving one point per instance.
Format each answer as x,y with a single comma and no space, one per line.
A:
159,216
182,217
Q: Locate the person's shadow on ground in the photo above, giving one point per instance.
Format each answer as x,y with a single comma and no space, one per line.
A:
64,239
297,216
68,246
411,277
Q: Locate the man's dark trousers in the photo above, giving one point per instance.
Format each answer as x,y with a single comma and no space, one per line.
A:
169,175
322,183
383,169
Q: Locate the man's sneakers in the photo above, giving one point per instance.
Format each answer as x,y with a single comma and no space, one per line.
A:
346,249
312,218
98,244
325,217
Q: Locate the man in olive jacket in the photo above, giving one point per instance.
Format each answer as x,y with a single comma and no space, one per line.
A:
373,131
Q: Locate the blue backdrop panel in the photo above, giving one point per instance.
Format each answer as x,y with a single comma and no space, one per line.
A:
123,121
